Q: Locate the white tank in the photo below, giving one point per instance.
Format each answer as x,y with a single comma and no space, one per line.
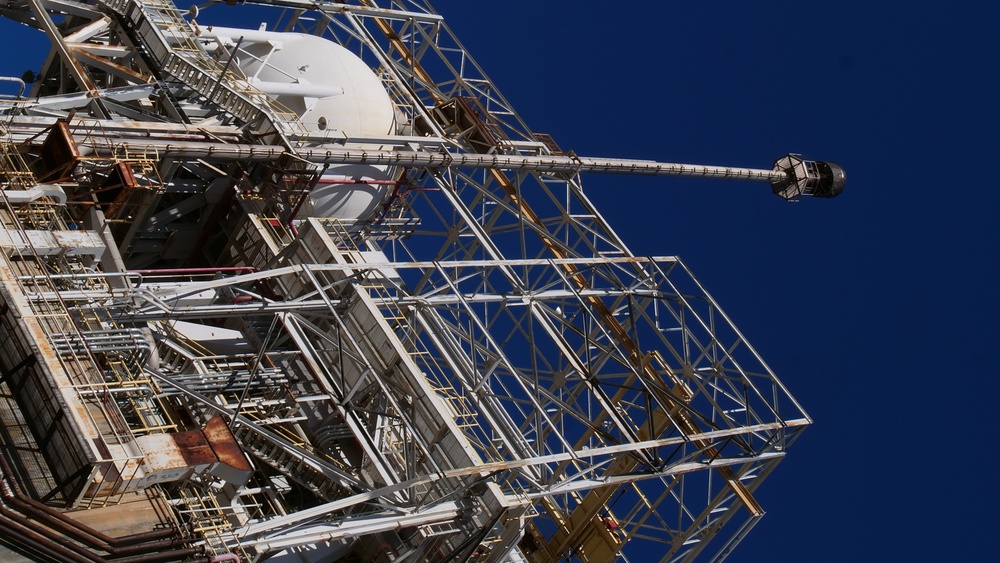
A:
330,89
364,108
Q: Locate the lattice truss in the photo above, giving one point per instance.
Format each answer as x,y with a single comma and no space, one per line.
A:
484,360
556,430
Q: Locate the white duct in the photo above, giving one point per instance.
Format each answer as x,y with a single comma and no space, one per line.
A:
33,194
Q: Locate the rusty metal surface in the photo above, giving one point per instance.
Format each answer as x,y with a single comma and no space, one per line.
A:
59,151
162,451
166,455
194,448
222,441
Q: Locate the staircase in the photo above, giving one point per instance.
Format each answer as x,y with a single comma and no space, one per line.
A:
316,475
170,43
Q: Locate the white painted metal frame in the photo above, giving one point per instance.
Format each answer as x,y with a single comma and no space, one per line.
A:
583,382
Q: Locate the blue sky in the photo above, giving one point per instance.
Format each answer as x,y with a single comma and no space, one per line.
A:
877,308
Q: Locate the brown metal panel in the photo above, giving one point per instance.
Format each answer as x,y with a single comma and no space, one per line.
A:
59,151
224,444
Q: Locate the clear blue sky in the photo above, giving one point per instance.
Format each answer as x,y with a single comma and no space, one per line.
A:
877,308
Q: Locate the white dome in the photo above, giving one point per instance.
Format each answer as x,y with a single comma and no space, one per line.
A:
351,191
364,108
329,88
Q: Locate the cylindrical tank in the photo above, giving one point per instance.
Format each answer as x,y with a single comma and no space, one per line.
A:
330,89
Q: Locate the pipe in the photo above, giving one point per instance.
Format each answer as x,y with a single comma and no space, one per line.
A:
24,528
38,543
152,540
546,164
332,180
195,271
251,35
54,191
36,534
297,89
12,79
161,557
50,514
132,545
141,548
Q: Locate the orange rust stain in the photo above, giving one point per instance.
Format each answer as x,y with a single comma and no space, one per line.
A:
224,444
194,448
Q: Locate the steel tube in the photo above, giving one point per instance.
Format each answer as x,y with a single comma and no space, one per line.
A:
137,544
15,80
338,154
144,542
13,529
194,271
328,154
161,557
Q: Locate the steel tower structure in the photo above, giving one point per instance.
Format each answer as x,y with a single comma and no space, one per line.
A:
266,330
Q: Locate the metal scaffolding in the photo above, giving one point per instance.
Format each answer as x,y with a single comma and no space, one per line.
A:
474,368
